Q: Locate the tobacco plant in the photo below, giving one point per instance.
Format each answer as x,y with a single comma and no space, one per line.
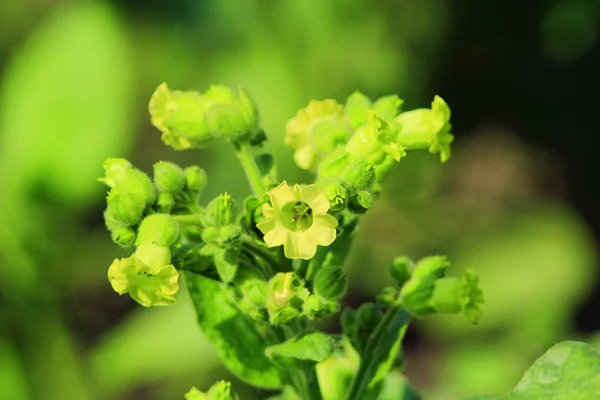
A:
261,271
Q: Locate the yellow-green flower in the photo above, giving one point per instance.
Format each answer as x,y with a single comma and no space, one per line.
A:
146,276
315,131
297,219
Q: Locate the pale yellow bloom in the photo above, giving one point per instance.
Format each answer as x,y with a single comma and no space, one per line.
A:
297,219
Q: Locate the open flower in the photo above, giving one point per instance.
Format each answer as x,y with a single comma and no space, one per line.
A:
146,276
316,131
297,219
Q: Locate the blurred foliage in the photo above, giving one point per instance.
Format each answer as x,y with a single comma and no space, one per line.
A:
75,78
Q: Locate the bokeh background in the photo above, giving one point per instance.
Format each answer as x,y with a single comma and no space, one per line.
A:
516,201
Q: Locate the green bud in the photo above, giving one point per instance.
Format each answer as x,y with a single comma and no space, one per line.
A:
229,235
360,202
180,117
160,229
234,115
446,295
114,170
333,165
285,296
356,109
331,283
255,291
374,141
417,291
315,307
221,211
359,174
432,266
401,269
124,236
126,208
210,234
387,296
168,177
337,195
369,315
195,180
165,202
387,107
135,181
153,255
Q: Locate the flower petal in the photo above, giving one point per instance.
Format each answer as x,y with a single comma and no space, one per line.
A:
281,195
322,230
299,245
315,198
276,237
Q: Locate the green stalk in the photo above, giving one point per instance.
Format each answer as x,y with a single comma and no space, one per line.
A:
391,328
250,168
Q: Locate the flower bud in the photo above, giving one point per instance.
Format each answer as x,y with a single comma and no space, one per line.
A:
337,195
285,295
221,211
387,296
315,307
331,283
452,295
114,170
233,115
180,117
417,291
124,236
369,315
168,177
401,269
195,179
445,297
360,202
126,208
387,107
165,202
229,235
153,255
374,141
333,165
134,181
210,234
359,174
160,229
356,108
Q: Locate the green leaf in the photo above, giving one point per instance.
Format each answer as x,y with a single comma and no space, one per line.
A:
266,166
226,263
311,346
66,102
239,340
569,370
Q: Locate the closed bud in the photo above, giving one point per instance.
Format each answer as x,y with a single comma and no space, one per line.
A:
417,291
401,269
233,115
387,107
210,234
153,255
180,117
195,179
331,283
356,108
168,177
114,171
126,208
360,202
229,235
337,195
165,202
124,236
136,182
359,174
221,211
333,165
286,294
316,307
369,315
160,229
387,296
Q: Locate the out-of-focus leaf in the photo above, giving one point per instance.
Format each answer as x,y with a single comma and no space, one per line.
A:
12,373
65,103
312,346
569,370
397,387
239,340
158,344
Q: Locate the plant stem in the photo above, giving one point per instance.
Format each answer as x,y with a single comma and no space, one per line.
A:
250,168
391,326
258,251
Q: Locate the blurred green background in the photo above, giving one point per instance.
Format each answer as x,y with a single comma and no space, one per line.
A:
515,201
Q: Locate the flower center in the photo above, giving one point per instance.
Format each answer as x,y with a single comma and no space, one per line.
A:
297,216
